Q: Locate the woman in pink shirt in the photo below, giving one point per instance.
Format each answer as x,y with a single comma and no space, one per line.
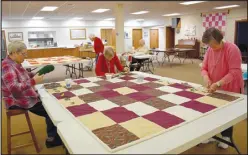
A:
221,68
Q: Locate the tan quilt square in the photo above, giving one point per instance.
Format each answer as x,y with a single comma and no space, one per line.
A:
142,127
212,101
96,120
56,90
67,102
125,90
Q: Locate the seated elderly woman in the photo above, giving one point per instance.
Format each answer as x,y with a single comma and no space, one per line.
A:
107,61
142,49
18,89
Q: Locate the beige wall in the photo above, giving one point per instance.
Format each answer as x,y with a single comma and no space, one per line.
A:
196,19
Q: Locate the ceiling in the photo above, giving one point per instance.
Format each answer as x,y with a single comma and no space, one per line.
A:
69,9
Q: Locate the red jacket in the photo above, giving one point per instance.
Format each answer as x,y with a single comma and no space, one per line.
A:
103,66
98,45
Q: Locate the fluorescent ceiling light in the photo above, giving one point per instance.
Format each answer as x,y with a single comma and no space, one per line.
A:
38,18
140,12
109,19
191,2
100,10
172,14
77,18
49,8
225,7
139,20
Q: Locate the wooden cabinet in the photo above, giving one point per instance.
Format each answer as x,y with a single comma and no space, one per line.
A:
52,52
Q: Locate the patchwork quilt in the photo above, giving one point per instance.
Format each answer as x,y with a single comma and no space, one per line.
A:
124,111
53,60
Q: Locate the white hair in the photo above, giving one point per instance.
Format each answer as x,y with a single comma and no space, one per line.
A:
109,51
16,47
142,41
91,36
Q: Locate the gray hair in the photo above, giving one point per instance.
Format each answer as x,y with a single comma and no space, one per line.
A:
212,34
16,47
91,36
109,51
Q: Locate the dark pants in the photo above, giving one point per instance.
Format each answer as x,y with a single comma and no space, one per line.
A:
39,110
97,55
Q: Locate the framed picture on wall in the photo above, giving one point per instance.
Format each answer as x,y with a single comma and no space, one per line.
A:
15,36
77,34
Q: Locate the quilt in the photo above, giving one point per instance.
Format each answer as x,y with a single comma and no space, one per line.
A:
53,60
124,111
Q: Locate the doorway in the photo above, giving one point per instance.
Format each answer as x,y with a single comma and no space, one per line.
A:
109,36
240,37
170,37
154,38
136,35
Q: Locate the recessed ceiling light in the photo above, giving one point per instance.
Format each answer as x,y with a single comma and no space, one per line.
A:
38,18
140,12
225,7
109,19
49,8
77,18
172,14
140,20
100,10
191,2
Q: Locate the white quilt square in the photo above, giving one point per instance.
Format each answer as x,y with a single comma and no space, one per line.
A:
140,108
174,98
183,112
103,105
82,91
139,82
169,89
90,84
93,79
115,80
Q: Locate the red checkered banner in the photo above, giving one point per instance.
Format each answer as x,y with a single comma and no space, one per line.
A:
217,20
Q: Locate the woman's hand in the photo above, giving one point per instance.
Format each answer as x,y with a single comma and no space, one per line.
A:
207,81
126,70
38,78
212,88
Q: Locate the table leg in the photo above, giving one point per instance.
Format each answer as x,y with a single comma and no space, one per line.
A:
232,144
157,58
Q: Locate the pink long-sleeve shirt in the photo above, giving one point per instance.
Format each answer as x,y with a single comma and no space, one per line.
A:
224,64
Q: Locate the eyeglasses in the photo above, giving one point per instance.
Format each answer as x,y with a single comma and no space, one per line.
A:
25,54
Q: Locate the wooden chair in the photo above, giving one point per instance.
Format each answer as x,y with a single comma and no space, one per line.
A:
31,130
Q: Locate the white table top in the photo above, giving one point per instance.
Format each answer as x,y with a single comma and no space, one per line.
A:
243,67
26,64
79,141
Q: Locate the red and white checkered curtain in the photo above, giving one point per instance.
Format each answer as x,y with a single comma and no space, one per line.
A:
217,20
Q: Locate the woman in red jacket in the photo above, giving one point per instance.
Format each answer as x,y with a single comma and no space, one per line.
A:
98,45
107,61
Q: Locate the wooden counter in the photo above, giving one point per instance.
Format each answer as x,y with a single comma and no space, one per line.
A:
59,51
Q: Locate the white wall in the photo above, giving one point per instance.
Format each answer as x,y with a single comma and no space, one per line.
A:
196,19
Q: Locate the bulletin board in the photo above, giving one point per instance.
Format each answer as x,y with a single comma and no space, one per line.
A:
77,34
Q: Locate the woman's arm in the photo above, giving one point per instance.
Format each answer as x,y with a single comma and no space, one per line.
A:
118,63
99,65
204,68
234,64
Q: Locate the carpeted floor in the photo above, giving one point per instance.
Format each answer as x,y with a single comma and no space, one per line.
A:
187,72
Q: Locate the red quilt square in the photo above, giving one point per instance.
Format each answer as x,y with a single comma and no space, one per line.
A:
139,96
150,79
63,95
139,87
81,81
108,93
180,86
80,110
113,85
188,94
120,114
164,119
198,106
